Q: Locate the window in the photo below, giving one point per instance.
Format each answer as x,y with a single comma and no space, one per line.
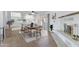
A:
15,15
30,18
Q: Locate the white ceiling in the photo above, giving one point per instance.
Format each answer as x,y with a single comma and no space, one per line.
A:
39,12
59,13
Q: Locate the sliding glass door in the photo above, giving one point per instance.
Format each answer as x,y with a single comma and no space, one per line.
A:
16,16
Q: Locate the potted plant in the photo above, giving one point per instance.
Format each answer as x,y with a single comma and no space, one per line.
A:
10,22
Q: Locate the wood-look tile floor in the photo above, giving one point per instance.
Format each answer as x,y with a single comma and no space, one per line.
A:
16,40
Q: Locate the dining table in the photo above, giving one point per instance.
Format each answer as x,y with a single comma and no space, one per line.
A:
33,30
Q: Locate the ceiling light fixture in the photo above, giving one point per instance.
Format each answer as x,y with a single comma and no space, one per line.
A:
33,12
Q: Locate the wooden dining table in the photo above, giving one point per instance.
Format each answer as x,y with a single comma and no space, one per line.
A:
33,29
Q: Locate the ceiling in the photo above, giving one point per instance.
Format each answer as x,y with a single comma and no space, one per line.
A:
59,13
38,12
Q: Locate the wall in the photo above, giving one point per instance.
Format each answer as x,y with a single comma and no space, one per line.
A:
59,23
71,20
6,17
1,19
1,22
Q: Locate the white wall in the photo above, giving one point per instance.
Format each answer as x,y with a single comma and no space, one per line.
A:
59,23
1,19
70,20
6,17
1,22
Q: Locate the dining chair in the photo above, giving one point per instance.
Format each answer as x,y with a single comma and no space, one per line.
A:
38,30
